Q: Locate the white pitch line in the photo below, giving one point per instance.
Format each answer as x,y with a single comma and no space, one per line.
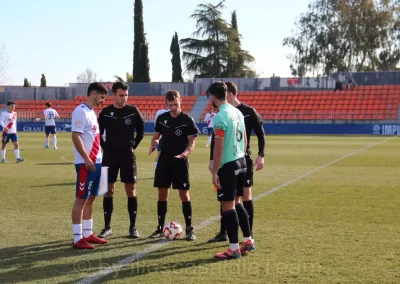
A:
205,223
64,158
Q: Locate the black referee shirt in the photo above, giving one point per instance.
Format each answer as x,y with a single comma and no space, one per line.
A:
174,131
120,125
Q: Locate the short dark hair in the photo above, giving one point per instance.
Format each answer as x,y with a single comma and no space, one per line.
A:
218,90
97,87
232,88
48,104
9,103
172,95
119,85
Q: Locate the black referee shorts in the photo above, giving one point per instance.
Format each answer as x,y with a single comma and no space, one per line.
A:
123,161
173,171
248,182
231,177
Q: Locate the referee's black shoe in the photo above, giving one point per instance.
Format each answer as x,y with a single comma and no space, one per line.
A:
133,233
105,233
157,234
189,234
220,237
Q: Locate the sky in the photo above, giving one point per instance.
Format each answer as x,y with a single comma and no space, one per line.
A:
63,38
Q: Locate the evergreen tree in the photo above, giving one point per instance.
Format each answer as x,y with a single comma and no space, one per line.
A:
43,82
176,59
26,82
237,58
141,66
218,53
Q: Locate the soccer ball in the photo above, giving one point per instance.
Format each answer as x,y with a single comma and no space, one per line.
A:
172,230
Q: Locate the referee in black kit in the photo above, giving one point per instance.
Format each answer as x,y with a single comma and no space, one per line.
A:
119,121
253,122
179,133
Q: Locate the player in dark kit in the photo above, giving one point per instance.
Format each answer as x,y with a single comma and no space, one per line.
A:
120,121
179,133
253,122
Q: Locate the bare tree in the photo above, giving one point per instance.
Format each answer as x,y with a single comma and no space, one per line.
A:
87,77
3,64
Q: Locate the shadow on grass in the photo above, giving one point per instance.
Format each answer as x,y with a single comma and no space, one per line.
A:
55,184
33,263
55,164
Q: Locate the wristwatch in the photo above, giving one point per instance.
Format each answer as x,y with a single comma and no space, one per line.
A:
261,155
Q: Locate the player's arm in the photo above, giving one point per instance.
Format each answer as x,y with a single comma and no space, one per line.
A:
189,149
2,121
139,126
78,125
217,155
206,118
257,125
3,125
211,164
56,114
76,139
101,129
191,131
155,140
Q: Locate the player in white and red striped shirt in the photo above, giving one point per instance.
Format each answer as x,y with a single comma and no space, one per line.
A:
88,157
8,122
209,119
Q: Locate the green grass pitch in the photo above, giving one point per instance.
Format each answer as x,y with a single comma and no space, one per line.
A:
338,224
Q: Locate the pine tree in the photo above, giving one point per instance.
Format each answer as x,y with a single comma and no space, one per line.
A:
176,59
43,82
237,57
26,82
141,65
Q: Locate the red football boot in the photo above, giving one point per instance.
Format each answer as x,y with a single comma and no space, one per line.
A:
82,244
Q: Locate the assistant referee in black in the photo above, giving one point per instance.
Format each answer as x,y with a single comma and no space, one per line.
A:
119,121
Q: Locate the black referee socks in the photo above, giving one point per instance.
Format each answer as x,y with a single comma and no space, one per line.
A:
161,211
108,208
249,205
222,228
243,220
132,209
187,213
232,226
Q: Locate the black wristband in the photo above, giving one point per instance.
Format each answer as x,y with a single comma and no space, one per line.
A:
261,155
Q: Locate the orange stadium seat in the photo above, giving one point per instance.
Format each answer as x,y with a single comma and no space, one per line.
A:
362,103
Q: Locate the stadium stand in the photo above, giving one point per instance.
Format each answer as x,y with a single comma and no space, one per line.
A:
362,103
148,105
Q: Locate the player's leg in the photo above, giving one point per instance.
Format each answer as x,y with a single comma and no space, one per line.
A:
180,181
14,139
53,133
4,141
226,196
93,185
108,199
222,235
47,132
130,189
247,196
128,177
162,180
248,243
83,186
209,131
